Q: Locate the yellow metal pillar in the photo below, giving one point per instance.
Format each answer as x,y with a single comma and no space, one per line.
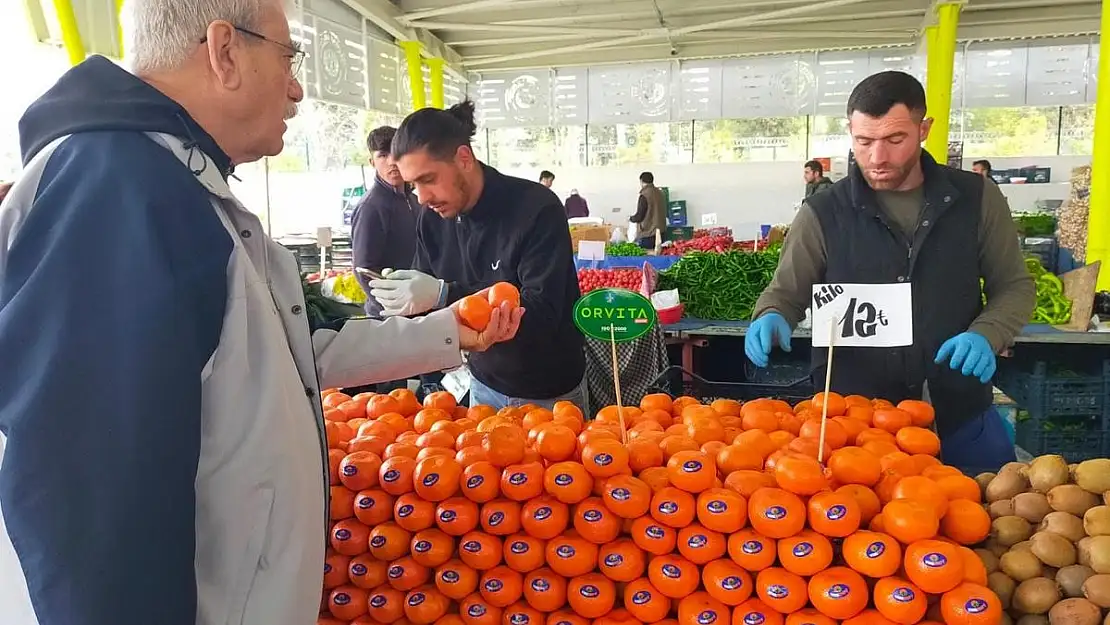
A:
119,25
416,73
71,34
1098,221
435,72
942,58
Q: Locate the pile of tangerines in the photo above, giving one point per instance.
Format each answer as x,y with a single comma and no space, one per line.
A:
671,512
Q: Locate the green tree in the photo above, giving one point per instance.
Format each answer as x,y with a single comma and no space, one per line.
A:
1077,129
737,140
1010,131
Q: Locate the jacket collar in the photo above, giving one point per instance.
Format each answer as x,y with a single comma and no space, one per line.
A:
404,191
491,192
940,193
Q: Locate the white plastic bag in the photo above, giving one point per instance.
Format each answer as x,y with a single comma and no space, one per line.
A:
662,300
633,231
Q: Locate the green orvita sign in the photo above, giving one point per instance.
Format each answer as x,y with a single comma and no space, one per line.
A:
618,313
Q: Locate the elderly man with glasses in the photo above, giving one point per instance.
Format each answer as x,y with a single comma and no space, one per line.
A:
161,434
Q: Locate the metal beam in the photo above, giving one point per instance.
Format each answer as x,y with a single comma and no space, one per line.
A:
1089,13
387,16
603,12
660,51
474,5
36,18
706,37
673,32
1028,30
500,28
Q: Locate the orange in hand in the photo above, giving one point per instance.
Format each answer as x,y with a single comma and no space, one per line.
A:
474,311
504,292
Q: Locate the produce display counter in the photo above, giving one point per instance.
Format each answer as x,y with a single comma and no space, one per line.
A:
1058,381
1033,333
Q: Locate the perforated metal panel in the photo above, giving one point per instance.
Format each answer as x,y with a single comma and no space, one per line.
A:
783,85
507,99
770,86
959,75
454,89
902,59
1057,75
838,73
995,76
698,90
335,62
384,74
570,90
629,94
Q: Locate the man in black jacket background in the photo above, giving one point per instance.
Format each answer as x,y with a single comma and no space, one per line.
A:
383,227
487,228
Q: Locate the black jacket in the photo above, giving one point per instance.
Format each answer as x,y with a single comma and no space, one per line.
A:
942,265
517,233
383,233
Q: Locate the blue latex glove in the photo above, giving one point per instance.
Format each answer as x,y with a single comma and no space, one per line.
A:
762,335
971,354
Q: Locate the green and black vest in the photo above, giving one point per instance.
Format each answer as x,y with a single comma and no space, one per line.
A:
942,265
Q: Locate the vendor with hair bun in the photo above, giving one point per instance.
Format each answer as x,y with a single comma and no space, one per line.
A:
484,227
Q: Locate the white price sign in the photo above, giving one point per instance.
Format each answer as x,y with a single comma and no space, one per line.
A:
591,250
866,315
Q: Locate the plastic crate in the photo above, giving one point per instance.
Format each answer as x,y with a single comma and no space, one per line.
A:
1086,438
676,381
1044,249
777,372
1043,394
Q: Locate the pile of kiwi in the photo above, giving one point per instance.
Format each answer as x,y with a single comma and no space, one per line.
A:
1048,555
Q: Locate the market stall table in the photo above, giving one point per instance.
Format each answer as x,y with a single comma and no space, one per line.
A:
690,328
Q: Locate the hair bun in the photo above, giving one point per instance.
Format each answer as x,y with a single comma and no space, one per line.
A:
464,113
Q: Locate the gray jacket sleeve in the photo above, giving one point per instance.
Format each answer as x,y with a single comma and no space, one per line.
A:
1011,294
367,351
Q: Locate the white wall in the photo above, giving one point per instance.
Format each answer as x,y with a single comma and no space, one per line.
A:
746,195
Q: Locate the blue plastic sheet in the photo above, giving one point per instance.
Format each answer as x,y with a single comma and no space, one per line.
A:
613,262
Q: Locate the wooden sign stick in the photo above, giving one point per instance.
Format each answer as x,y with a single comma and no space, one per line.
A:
617,382
828,383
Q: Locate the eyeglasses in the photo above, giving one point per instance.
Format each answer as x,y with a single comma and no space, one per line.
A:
293,53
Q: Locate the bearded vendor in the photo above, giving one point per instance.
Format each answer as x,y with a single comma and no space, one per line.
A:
900,217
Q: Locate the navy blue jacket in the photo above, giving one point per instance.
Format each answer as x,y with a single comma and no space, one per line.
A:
112,299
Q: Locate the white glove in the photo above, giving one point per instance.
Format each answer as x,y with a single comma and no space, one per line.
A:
407,292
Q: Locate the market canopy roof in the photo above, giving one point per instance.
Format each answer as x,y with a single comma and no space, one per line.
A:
503,34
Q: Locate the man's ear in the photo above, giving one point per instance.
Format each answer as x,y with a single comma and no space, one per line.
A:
225,53
926,126
464,156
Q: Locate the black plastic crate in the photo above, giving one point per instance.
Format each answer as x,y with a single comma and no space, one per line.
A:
1045,394
778,372
1075,438
676,381
1044,249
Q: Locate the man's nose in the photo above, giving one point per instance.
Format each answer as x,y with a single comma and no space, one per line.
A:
296,91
